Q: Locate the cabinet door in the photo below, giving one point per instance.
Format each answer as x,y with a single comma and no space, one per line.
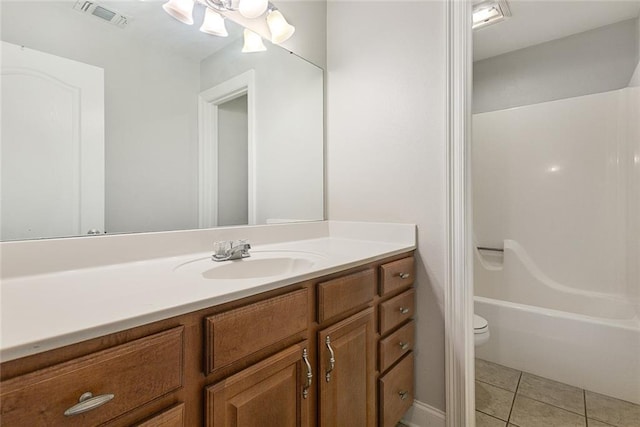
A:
269,393
346,372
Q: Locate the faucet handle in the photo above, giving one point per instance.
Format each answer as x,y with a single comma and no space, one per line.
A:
221,248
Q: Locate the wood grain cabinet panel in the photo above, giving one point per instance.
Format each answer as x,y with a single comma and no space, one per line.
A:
235,334
135,373
345,293
396,275
347,385
396,392
269,393
395,345
172,417
397,310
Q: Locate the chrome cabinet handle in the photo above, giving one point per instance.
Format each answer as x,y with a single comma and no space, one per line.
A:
404,275
305,389
87,402
332,359
403,395
404,345
404,310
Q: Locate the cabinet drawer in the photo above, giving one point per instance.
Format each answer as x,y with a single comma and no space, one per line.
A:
172,417
134,373
397,310
396,392
395,345
345,293
396,275
235,334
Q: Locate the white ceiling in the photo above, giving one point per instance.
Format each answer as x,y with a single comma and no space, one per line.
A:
538,21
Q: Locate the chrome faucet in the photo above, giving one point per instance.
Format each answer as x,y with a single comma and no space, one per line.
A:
227,250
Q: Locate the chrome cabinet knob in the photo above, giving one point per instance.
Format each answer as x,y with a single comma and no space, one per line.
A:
404,345
404,310
404,275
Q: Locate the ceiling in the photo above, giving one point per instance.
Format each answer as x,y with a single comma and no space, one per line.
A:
538,21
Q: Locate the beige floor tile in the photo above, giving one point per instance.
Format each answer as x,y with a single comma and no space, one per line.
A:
484,420
493,400
552,392
497,375
531,413
595,423
612,411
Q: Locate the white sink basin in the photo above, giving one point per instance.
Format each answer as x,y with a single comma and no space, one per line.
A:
259,264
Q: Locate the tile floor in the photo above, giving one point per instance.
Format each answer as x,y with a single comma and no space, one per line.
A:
507,397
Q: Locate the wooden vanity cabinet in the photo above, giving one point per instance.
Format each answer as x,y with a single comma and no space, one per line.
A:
333,351
346,372
273,392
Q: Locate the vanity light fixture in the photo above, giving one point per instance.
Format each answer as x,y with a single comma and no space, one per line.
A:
182,10
490,12
214,24
280,29
252,8
252,42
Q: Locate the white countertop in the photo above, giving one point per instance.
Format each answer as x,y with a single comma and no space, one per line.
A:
44,311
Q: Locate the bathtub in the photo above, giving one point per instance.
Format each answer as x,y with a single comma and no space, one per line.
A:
585,339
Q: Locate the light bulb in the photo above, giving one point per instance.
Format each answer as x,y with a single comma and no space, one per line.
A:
214,24
280,29
182,10
252,42
252,8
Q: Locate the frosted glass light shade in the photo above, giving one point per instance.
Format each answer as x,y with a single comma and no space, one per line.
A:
280,29
252,8
252,42
182,10
214,24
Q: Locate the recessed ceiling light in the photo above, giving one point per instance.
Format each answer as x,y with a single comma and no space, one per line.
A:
490,12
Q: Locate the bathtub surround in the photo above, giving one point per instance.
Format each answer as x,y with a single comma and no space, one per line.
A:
566,215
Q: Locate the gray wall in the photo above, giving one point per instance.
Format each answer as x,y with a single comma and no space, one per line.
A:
595,61
233,173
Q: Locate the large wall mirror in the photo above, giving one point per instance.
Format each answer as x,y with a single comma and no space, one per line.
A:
151,125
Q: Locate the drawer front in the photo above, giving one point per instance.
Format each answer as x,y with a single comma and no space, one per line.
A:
235,334
396,392
345,293
134,373
397,310
396,275
396,345
172,417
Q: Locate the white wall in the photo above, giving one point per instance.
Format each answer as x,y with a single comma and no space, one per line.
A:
571,66
288,129
554,177
150,113
386,144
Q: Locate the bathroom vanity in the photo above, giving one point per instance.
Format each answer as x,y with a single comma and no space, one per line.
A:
329,345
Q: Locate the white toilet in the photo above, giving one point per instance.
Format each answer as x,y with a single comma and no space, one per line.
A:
480,330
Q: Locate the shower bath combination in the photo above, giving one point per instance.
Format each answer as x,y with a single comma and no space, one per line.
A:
557,186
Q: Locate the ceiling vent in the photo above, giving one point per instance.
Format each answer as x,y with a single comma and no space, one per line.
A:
93,8
490,12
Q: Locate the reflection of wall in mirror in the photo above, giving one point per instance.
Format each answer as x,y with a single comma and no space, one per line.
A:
150,113
288,129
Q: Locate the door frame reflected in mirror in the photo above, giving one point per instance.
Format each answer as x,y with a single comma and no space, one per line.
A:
209,102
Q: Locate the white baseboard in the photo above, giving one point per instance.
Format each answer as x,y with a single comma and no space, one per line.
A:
423,415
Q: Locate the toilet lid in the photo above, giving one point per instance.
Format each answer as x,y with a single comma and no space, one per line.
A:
480,325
